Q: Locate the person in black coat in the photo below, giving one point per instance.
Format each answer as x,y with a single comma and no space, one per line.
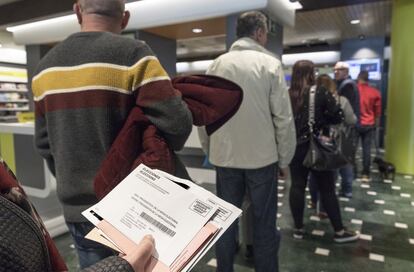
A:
327,112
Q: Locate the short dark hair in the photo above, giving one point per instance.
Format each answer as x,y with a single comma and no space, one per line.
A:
109,8
249,22
363,75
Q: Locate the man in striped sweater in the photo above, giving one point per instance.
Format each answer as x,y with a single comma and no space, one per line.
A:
84,89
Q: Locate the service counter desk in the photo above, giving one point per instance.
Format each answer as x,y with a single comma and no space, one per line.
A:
17,149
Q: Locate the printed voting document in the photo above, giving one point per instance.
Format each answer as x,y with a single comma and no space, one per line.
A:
184,219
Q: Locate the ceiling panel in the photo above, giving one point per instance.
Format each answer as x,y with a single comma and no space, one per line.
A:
323,4
312,27
211,27
333,24
201,47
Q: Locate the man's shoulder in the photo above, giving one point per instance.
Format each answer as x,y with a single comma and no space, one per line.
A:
266,59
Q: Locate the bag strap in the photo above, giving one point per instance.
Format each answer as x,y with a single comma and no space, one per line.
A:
311,120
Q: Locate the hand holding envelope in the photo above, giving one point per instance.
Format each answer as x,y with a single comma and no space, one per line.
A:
140,256
184,219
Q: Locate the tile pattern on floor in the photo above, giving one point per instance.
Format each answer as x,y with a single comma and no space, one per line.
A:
384,217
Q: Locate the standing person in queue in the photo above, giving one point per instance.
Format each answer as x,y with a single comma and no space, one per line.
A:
83,90
327,112
255,143
347,88
350,119
370,119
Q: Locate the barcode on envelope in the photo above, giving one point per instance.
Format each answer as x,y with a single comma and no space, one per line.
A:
157,224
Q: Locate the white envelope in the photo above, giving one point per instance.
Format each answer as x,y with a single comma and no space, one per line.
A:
148,203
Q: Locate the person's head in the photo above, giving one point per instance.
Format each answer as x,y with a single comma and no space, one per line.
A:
252,24
327,82
303,77
341,70
363,77
101,15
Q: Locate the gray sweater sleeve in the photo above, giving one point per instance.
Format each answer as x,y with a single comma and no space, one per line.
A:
350,117
110,264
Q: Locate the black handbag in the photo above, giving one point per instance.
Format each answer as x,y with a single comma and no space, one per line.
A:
324,152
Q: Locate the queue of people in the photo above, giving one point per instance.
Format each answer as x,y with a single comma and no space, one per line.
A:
78,119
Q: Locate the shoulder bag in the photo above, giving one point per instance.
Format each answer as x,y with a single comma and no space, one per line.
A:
324,153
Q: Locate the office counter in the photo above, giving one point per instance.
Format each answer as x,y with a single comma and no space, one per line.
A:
17,149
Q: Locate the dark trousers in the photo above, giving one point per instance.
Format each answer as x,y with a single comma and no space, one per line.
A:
89,252
261,186
325,183
366,133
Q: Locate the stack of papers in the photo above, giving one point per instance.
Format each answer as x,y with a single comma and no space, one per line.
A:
184,219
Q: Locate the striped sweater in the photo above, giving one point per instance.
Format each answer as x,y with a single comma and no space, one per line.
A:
84,89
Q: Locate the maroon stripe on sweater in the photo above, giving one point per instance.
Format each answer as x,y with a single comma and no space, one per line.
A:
84,99
155,92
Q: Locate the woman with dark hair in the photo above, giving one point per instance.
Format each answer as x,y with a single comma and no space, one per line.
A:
327,112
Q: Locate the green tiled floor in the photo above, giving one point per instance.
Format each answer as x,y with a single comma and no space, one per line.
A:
388,242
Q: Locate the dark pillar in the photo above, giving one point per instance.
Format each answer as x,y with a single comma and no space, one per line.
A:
164,48
34,53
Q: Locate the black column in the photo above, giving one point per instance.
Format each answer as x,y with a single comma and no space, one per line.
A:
34,53
164,48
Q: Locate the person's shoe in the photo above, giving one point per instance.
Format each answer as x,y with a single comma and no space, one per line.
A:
249,253
298,233
347,195
322,215
311,205
365,178
346,237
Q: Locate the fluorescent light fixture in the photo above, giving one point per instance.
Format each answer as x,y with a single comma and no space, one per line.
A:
355,22
195,66
295,5
197,30
43,23
11,55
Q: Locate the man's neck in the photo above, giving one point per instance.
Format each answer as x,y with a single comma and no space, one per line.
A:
94,23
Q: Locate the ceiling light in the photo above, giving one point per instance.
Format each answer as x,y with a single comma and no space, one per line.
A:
197,30
295,5
355,22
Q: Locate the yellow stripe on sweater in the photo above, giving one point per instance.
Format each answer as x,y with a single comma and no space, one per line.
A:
110,77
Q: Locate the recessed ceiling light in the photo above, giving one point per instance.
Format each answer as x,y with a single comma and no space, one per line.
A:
355,22
197,30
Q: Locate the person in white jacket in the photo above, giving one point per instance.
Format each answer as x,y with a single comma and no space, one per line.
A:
258,141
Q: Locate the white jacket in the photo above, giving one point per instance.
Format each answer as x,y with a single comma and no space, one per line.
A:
262,131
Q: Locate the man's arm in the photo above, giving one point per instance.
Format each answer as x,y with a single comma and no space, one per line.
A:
41,138
282,119
377,109
348,91
161,103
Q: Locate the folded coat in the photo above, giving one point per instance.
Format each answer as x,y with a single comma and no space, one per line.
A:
212,101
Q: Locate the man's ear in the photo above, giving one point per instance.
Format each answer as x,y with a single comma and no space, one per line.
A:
78,12
125,19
